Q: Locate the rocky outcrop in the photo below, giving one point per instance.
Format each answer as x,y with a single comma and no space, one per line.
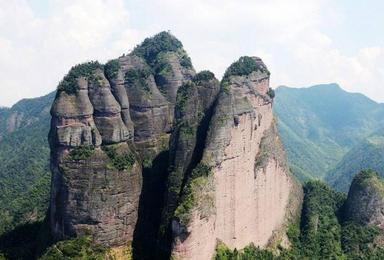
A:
241,191
194,108
107,122
365,202
113,127
96,180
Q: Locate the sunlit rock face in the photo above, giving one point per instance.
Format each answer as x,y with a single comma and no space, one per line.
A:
241,191
144,145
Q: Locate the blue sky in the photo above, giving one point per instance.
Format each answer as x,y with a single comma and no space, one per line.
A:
302,42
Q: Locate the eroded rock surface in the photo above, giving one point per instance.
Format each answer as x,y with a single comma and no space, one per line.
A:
113,128
241,192
107,121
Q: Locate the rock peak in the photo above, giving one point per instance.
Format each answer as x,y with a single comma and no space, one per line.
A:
149,115
365,202
245,66
162,42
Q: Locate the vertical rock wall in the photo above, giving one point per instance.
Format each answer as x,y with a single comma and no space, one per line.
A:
247,195
227,174
90,194
107,121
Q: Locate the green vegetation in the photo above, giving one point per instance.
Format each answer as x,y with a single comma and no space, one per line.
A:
201,170
121,162
322,234
24,163
69,82
183,95
82,152
244,66
368,154
187,130
191,192
320,124
164,69
185,61
161,42
204,75
111,68
270,148
147,163
271,93
359,242
139,77
321,231
225,87
248,253
134,75
26,241
369,178
77,248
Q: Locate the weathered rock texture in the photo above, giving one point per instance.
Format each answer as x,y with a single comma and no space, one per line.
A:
194,107
365,202
113,126
108,120
241,192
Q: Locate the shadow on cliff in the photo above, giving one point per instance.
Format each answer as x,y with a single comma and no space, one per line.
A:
26,242
145,237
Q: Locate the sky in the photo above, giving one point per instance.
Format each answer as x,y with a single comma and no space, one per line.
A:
303,42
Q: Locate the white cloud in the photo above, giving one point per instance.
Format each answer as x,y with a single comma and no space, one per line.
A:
291,36
36,52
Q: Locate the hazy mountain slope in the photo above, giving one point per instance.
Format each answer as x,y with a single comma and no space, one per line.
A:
369,154
319,124
24,153
4,111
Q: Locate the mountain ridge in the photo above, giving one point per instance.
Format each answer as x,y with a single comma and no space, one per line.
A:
24,156
321,124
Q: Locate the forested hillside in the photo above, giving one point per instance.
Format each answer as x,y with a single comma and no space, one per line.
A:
320,124
368,154
24,165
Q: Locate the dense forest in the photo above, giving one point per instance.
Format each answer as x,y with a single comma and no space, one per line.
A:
24,167
320,124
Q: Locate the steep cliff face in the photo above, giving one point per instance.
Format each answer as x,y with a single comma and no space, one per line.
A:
241,191
96,179
143,139
107,122
365,202
194,107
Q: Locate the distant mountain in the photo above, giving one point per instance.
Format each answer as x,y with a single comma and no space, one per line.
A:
320,124
369,154
24,161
